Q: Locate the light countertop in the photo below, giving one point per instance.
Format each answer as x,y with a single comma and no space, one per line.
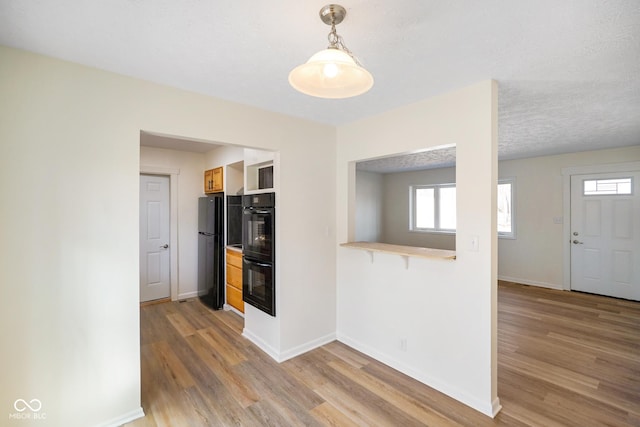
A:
409,251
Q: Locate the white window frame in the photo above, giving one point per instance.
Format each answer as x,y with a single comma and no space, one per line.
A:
512,234
436,207
600,193
437,228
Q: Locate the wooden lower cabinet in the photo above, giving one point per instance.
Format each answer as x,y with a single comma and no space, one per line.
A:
234,280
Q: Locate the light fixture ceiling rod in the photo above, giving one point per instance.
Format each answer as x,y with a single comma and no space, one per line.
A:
334,72
334,14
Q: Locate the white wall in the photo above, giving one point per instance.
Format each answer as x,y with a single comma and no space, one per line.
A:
189,187
70,162
369,206
395,229
446,310
535,257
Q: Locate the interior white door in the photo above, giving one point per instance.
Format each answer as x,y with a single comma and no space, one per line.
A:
155,279
605,234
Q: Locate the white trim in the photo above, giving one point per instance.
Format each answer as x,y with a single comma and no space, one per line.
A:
487,408
531,282
272,352
123,419
514,199
173,197
187,295
228,307
496,407
311,345
566,208
436,208
291,353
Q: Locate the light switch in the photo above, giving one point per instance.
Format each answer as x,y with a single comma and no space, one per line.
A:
474,244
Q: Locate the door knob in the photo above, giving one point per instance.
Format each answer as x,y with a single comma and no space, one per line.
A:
575,242
165,246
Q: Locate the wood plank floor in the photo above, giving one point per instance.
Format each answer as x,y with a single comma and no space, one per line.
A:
565,359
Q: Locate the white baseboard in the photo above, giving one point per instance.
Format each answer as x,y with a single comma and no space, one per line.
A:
496,407
123,419
531,283
187,295
487,408
298,350
272,352
291,353
227,307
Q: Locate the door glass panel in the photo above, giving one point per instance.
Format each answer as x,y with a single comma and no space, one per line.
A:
600,187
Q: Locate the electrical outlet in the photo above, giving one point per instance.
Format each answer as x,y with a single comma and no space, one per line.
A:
403,344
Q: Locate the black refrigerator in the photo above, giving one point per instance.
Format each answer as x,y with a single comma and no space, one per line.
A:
211,250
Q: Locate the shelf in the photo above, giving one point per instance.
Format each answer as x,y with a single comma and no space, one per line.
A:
254,176
404,251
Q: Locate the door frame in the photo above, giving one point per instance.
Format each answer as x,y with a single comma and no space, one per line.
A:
566,203
173,220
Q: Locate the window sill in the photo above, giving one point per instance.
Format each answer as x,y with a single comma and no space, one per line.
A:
427,231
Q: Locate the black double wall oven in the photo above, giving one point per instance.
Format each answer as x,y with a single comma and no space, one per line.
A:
258,251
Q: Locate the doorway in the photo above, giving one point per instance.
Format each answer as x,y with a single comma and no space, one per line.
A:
155,259
605,233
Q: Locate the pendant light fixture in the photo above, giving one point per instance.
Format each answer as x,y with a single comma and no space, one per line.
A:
334,72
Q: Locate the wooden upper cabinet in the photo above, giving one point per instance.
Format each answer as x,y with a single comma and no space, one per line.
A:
213,181
208,181
217,180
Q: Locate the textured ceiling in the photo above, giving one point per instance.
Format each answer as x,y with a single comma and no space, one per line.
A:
567,70
431,159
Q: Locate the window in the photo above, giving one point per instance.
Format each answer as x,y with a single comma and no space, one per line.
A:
600,187
434,208
506,214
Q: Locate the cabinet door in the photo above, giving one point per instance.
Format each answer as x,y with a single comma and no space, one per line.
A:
208,181
234,258
217,184
234,298
234,276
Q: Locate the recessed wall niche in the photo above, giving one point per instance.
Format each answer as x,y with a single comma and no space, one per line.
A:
385,197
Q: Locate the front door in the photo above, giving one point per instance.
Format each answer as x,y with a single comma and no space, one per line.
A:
155,282
605,234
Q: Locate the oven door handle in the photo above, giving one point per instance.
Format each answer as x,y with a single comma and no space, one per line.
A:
260,264
262,211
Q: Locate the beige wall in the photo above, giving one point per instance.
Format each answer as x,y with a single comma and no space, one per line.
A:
70,164
445,311
535,257
369,207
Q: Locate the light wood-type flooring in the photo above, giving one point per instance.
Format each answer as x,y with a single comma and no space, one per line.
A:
565,359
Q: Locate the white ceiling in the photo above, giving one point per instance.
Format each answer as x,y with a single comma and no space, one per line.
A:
568,71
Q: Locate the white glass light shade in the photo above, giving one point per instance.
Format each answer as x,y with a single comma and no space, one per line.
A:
331,73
